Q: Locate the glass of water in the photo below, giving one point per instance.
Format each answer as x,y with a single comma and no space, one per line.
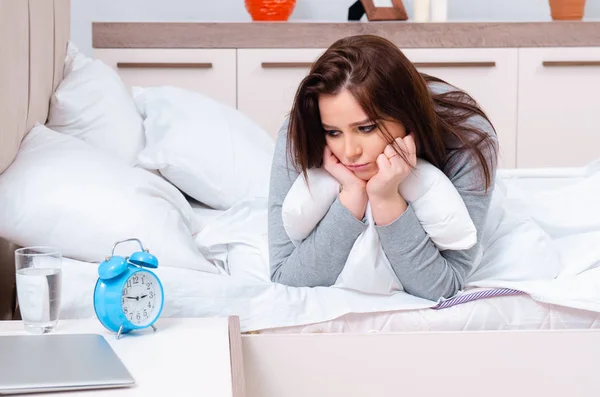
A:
39,271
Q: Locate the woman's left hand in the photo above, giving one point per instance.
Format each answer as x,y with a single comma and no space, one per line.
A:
392,169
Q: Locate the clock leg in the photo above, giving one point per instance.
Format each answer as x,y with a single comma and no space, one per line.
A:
119,333
153,327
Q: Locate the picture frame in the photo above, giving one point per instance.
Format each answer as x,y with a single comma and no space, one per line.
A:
385,10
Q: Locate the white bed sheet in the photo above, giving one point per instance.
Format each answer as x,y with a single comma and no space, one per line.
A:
499,313
572,300
271,308
203,214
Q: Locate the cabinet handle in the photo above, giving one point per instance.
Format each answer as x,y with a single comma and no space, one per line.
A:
570,63
270,65
454,64
168,65
273,65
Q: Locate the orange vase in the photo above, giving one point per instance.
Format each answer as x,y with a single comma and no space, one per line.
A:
567,9
270,10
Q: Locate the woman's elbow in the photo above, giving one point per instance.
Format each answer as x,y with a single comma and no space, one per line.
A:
275,274
279,275
288,277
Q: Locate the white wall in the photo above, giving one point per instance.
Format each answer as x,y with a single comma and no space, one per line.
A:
84,12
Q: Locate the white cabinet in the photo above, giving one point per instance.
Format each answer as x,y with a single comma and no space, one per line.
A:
209,71
489,75
559,107
542,101
267,82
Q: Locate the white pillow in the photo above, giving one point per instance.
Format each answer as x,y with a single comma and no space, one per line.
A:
436,202
92,103
60,191
74,59
210,151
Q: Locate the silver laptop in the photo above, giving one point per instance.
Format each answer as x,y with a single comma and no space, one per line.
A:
57,362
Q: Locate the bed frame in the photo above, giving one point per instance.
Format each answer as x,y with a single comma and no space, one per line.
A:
493,363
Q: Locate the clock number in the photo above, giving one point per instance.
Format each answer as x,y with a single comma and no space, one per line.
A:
133,294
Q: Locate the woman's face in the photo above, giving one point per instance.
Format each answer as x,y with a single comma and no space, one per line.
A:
352,137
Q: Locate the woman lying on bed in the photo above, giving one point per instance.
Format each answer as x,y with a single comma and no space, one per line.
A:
365,114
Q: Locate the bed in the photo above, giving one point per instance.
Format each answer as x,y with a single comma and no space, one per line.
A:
291,335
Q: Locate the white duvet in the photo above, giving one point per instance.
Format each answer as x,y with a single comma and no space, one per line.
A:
543,239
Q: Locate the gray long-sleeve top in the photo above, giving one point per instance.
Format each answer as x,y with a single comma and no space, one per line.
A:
423,270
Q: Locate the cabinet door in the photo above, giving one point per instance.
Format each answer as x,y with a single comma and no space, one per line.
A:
208,71
267,82
489,76
558,107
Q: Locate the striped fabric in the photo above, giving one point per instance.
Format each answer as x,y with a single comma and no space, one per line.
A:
468,297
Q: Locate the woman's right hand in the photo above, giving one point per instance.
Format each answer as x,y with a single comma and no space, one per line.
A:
353,194
347,179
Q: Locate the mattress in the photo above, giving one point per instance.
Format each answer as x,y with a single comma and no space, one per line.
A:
512,312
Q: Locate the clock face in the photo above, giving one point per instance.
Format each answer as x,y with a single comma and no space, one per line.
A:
141,298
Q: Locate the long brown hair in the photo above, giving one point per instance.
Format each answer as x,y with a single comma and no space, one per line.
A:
388,87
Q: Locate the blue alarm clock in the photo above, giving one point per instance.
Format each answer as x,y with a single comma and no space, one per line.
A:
127,295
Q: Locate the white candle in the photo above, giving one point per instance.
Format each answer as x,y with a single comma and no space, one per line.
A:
439,10
421,10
